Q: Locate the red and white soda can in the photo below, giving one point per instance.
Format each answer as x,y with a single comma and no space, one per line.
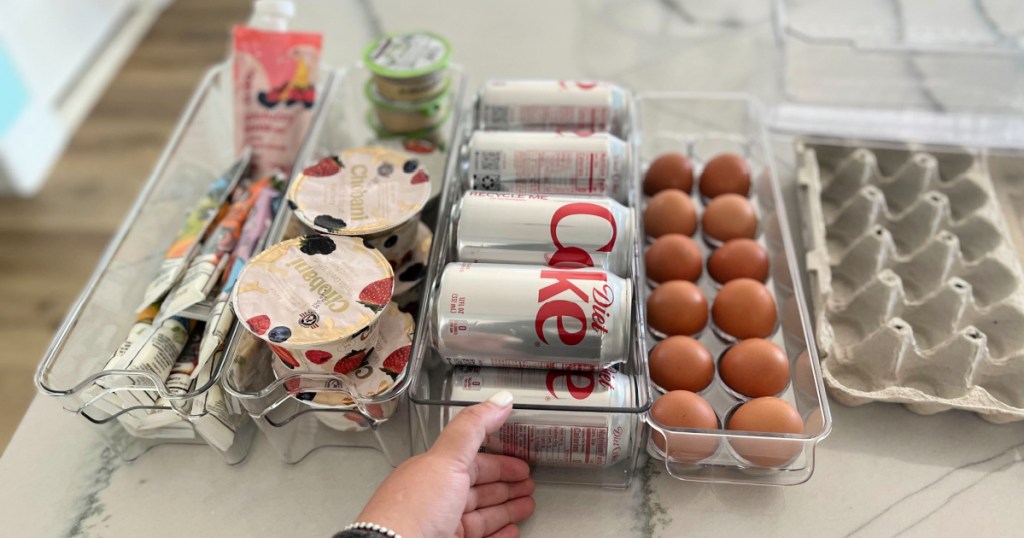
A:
549,163
525,316
553,105
545,229
554,437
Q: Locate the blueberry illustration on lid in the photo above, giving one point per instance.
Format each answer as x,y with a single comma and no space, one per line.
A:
279,334
317,244
410,166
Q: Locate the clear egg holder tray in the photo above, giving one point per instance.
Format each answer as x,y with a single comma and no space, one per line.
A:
279,406
701,126
915,253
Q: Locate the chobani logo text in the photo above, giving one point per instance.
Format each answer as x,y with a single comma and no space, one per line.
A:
318,285
357,189
563,300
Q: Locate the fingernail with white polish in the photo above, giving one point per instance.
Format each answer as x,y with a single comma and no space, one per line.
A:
501,398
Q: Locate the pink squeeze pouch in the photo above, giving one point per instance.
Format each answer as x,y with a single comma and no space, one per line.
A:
275,88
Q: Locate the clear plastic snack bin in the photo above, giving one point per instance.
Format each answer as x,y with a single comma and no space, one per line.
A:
290,410
909,123
433,405
200,150
701,126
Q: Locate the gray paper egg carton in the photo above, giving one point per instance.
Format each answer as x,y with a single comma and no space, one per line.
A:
914,260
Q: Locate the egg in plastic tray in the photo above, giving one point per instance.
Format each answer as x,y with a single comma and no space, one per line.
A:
914,254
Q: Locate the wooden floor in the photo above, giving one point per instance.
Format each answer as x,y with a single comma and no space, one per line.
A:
49,245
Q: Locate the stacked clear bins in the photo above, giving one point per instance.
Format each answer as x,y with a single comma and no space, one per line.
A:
201,148
579,427
906,113
301,411
701,127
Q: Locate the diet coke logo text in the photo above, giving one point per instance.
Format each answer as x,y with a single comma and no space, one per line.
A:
578,392
562,300
571,255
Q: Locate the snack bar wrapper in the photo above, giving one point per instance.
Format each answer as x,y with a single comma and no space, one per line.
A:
253,233
197,223
275,88
204,270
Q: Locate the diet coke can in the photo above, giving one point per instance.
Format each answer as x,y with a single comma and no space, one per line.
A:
549,163
553,105
555,437
527,316
545,229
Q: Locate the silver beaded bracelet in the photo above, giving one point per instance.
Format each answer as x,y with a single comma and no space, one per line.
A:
362,525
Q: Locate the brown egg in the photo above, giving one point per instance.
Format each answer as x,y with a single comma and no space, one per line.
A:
674,257
730,216
744,308
677,307
669,171
755,367
684,409
767,415
670,212
681,363
738,258
725,173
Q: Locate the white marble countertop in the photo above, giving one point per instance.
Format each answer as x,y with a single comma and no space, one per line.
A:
883,471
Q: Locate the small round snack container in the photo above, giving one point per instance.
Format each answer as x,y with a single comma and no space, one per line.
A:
396,244
403,117
373,378
365,192
315,300
409,67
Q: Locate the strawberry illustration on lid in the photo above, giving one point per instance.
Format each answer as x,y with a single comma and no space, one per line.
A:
376,295
334,196
313,292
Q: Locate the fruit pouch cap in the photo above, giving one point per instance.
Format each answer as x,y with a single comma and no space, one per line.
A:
360,191
313,290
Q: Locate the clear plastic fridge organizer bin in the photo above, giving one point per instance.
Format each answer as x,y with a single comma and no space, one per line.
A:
295,428
946,72
431,401
701,126
200,150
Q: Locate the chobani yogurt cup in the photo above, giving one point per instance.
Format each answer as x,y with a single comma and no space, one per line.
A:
376,374
316,301
409,67
360,191
409,116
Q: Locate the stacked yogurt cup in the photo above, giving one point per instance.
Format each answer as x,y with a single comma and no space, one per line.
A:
410,83
328,303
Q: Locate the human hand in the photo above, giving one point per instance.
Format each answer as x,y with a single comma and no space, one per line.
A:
453,489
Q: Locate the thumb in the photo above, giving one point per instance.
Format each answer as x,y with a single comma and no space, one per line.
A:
462,437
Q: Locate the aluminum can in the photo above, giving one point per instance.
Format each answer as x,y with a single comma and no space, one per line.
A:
552,105
555,437
545,229
549,163
526,316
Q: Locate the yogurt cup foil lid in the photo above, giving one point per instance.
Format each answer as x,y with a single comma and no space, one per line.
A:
360,191
407,55
313,290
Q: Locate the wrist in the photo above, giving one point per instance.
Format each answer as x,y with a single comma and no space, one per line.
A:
367,529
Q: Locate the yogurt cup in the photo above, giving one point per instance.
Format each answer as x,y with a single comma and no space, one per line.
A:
402,117
360,192
429,146
316,300
385,366
397,243
409,67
